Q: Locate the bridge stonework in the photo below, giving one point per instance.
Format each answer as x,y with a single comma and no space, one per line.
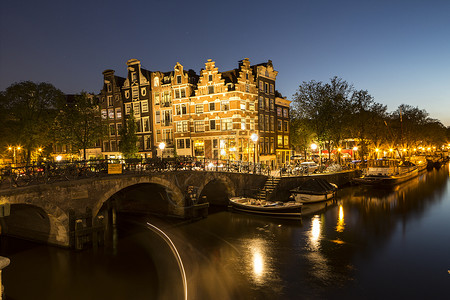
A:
52,202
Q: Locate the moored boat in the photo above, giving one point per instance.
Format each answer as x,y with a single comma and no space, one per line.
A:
314,190
387,172
273,209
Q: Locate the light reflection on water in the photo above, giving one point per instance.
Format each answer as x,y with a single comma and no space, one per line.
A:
340,224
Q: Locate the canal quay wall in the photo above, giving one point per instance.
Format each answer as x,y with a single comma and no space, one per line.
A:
281,193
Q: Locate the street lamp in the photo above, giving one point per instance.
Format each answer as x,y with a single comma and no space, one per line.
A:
354,150
314,147
162,145
254,137
14,152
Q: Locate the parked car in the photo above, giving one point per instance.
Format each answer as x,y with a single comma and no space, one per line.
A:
309,166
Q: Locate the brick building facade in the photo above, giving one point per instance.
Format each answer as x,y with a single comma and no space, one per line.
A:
211,115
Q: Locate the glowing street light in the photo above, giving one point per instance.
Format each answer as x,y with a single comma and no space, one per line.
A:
254,137
10,148
58,158
354,150
161,146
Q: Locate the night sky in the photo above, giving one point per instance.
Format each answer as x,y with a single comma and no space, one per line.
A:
397,50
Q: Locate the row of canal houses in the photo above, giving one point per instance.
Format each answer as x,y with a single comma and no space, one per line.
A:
212,115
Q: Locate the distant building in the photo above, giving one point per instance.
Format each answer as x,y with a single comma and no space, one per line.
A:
208,116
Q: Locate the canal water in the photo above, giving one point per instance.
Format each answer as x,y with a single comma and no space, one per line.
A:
365,244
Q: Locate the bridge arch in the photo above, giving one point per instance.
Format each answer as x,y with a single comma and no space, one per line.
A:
45,223
173,192
223,181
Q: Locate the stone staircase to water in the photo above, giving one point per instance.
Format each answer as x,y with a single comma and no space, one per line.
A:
269,186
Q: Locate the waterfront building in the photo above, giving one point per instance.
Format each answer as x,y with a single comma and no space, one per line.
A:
111,108
212,115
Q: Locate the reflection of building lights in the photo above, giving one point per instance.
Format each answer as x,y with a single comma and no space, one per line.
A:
258,263
340,223
256,259
315,230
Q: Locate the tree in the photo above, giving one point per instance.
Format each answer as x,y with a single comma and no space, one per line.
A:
367,124
31,108
301,133
79,124
326,107
128,146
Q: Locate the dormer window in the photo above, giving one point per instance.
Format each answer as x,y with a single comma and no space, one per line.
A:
108,87
156,81
210,78
210,89
179,79
246,76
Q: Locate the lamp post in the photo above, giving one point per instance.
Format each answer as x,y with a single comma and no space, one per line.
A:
354,152
254,137
14,152
161,146
314,147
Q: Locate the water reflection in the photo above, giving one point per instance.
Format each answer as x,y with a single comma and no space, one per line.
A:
258,260
340,224
315,233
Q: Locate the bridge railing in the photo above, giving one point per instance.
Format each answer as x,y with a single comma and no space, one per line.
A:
49,172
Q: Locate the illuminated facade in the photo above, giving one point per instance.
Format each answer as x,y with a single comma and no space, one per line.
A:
209,116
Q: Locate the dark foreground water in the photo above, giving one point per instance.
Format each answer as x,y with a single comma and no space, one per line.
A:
367,244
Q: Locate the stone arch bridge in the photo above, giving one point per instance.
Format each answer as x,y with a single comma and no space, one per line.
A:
41,212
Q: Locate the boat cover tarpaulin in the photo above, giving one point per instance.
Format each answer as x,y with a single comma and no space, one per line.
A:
315,186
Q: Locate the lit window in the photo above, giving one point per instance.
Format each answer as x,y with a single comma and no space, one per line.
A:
199,126
212,106
144,106
136,109
127,108
146,124
104,114
143,91
225,105
199,108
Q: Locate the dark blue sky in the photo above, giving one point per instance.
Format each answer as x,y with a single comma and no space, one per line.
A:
397,50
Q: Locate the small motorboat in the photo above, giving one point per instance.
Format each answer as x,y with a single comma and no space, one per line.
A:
314,190
289,209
